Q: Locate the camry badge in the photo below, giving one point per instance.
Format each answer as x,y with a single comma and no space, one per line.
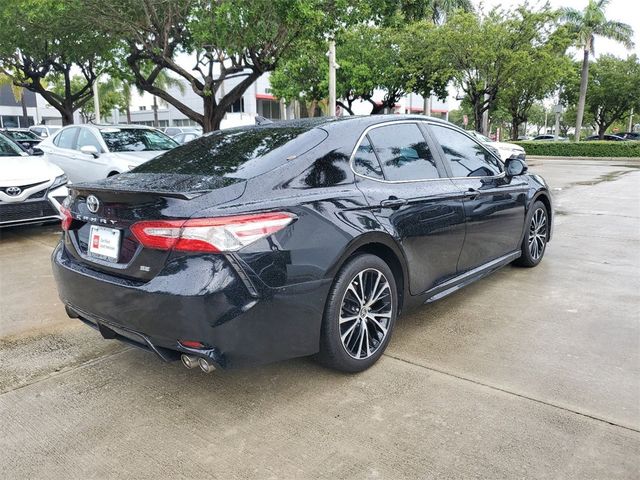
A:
93,204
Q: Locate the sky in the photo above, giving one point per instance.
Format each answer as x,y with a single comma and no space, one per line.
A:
627,11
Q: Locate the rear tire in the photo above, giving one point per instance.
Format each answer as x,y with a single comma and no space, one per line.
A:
536,236
359,315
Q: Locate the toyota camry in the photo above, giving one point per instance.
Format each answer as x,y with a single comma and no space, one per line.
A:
258,244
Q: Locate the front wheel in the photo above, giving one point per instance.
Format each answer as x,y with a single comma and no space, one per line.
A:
536,236
359,316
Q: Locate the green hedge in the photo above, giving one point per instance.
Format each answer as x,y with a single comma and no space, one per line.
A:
582,149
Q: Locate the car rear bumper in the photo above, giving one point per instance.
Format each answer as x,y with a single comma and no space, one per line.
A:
197,298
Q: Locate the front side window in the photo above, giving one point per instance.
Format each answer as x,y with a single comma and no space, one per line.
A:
403,152
466,157
136,140
365,161
66,138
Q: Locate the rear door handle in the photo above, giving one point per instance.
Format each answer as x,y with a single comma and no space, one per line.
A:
393,202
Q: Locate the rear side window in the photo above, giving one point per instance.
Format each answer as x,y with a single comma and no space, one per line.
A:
466,157
365,161
66,138
237,153
403,152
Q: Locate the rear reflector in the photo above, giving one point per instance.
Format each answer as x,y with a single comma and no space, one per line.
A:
67,219
191,344
221,234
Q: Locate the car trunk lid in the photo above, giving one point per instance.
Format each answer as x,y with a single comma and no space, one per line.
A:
103,212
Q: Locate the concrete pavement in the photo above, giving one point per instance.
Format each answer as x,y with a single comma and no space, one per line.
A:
529,373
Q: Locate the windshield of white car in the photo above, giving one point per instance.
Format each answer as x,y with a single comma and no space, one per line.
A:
8,148
136,140
482,138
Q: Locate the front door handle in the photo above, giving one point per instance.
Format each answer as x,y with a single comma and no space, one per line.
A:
471,194
393,202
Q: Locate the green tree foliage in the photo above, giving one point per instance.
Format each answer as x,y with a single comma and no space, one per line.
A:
484,51
614,85
586,25
536,73
223,40
43,39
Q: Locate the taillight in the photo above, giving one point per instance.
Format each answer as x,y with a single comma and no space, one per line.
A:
221,234
67,219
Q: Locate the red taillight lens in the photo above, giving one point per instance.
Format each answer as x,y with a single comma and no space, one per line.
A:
67,219
222,234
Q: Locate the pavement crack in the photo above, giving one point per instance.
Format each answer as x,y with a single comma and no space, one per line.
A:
515,394
64,371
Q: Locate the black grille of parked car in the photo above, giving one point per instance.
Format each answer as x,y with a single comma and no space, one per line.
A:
11,212
22,187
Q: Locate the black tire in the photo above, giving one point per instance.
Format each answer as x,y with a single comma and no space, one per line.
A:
532,255
369,317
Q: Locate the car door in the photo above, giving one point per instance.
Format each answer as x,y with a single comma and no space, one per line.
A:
408,191
88,167
61,151
494,205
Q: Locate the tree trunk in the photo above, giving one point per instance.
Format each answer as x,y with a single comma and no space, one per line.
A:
25,115
515,126
213,115
477,116
584,78
128,114
156,123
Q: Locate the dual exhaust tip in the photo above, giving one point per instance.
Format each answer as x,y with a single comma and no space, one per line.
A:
191,361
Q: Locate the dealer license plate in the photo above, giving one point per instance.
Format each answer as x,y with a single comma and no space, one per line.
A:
104,243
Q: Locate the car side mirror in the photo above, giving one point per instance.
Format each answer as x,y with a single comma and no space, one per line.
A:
90,150
515,165
35,152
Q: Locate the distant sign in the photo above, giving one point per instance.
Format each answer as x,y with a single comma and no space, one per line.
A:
465,120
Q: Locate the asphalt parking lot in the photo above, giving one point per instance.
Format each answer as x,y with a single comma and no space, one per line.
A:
529,373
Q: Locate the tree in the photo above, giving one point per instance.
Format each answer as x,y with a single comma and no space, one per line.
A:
41,39
536,73
586,25
481,50
233,41
613,90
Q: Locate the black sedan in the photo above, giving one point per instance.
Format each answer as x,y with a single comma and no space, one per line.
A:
262,243
607,137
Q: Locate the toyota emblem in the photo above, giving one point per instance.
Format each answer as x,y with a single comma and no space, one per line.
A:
13,191
93,204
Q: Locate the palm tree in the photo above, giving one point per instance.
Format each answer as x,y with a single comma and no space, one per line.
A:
586,24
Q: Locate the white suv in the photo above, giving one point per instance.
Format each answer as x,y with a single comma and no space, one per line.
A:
93,152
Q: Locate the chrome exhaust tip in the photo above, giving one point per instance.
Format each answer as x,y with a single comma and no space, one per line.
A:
205,365
189,361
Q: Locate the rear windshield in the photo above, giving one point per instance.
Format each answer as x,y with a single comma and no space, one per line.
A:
237,153
136,140
22,135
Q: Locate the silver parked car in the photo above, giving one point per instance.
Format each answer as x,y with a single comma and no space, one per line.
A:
93,152
44,131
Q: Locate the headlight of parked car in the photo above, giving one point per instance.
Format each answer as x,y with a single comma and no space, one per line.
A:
59,181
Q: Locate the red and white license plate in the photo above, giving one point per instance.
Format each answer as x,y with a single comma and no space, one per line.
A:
104,243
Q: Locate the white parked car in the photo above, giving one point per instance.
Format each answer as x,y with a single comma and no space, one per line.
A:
31,189
93,152
504,149
44,131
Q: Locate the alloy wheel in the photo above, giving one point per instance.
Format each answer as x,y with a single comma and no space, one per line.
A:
365,313
537,233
